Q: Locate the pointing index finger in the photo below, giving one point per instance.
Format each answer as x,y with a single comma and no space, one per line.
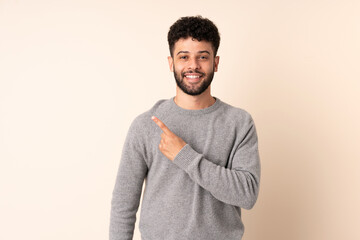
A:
161,125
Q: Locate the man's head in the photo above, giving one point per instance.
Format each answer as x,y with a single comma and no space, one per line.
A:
199,28
193,43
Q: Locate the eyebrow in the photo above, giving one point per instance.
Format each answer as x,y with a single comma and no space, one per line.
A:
204,51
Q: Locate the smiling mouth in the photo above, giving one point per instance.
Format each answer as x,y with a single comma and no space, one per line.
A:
193,76
193,79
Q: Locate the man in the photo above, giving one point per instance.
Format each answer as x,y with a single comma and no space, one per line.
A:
198,155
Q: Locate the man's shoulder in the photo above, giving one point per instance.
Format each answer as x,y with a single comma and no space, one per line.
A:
238,119
144,118
236,112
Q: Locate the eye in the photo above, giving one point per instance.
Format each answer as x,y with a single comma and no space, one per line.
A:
183,57
203,57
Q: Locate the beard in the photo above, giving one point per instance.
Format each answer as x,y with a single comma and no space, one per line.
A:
193,89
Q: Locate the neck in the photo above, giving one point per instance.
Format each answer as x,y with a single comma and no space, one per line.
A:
190,102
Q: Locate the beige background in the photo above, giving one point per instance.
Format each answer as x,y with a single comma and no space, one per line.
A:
74,74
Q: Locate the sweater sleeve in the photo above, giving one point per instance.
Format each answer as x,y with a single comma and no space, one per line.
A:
127,191
238,185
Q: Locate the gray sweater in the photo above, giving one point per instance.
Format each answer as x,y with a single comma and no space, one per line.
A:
200,194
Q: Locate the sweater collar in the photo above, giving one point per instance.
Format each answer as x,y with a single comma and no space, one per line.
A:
195,112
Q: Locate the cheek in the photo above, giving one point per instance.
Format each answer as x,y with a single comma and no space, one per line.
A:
209,68
178,68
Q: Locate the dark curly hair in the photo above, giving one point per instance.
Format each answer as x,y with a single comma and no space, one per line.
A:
196,27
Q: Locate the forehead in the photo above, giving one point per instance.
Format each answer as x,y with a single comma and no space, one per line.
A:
192,46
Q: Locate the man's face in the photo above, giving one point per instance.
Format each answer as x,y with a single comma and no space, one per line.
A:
193,64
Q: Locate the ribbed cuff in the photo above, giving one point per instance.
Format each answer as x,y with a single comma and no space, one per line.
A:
186,157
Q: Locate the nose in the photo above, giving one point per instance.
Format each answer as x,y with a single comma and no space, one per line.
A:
193,63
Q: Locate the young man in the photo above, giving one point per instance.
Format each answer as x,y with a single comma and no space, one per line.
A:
198,155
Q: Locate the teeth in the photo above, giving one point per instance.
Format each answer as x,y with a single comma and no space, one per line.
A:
192,76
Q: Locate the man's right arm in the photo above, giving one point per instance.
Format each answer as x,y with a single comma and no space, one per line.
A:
127,191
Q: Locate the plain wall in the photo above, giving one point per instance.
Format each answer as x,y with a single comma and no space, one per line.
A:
74,74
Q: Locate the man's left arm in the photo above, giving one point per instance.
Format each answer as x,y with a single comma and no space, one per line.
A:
238,186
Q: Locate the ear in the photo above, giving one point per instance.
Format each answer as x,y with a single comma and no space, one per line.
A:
171,63
216,63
